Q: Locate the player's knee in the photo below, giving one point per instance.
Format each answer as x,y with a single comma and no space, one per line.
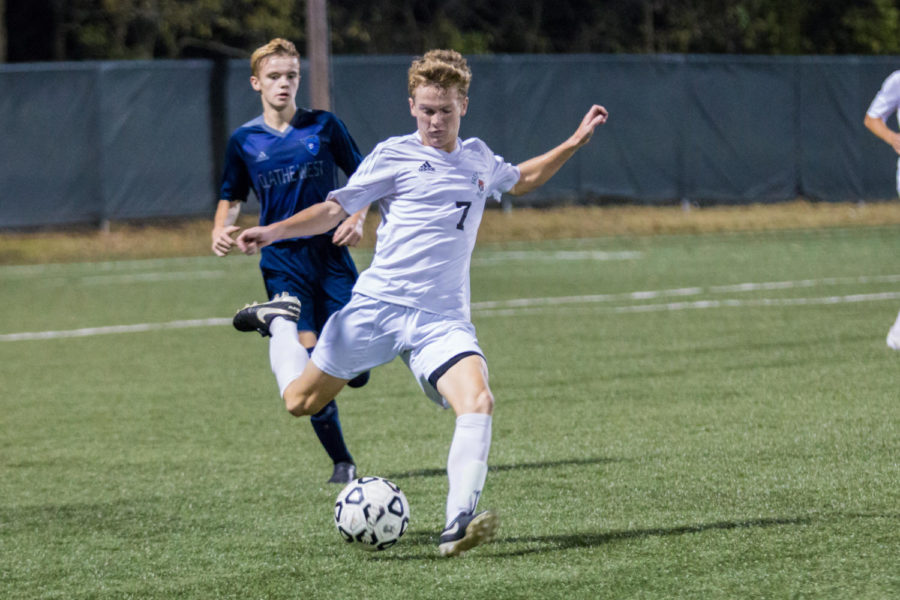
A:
483,402
298,404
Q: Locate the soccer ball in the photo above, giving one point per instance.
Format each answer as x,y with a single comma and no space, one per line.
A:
371,513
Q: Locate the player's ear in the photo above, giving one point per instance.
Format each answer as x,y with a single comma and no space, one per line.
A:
412,107
254,83
464,106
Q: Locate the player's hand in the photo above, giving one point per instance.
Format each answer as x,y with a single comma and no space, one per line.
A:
222,242
595,117
349,232
251,240
895,142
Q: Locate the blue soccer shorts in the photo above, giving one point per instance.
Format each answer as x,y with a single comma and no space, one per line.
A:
320,274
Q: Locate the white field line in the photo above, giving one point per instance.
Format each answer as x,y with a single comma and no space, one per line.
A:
116,272
112,266
518,306
501,256
91,331
680,292
152,277
707,304
108,272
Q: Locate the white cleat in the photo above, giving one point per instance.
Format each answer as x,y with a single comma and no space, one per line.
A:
467,531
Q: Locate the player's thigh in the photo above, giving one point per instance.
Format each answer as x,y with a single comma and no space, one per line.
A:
465,386
295,267
439,345
309,393
362,335
338,276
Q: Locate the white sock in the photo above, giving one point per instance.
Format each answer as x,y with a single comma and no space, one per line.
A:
286,355
467,463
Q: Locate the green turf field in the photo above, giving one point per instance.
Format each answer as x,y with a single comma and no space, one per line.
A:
677,417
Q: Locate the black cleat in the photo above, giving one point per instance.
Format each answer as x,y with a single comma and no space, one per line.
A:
467,531
344,472
258,317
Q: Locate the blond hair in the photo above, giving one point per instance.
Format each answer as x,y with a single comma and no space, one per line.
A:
279,46
442,68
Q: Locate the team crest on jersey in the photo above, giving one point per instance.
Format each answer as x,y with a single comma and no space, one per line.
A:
312,144
479,181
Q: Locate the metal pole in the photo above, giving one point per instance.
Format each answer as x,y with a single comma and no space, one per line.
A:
3,31
317,51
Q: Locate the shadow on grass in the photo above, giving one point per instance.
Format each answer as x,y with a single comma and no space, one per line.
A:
554,543
549,543
442,472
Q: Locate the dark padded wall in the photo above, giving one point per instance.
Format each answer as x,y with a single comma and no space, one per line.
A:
87,142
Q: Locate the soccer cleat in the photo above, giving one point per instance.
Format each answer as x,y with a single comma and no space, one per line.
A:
467,531
344,472
258,317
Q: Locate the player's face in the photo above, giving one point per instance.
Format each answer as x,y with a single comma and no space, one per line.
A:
438,112
277,81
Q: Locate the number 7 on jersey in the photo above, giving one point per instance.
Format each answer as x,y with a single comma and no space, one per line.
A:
465,206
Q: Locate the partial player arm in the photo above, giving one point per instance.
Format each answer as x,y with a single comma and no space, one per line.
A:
350,231
348,157
883,132
227,212
318,218
536,171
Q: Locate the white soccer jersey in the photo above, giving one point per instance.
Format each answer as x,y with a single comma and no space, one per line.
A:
887,100
431,204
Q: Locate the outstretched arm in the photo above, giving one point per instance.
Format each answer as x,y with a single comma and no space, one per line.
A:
885,133
318,218
536,171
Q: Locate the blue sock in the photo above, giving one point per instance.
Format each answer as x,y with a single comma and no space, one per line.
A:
327,425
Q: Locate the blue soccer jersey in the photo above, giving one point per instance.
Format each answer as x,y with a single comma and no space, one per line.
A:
290,170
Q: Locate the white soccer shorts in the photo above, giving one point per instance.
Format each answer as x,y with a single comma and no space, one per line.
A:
368,332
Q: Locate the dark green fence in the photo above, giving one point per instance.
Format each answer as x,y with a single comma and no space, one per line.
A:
88,142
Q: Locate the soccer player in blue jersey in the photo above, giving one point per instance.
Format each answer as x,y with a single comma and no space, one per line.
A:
289,157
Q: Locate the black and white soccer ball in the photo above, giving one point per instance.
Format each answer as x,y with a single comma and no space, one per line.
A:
371,513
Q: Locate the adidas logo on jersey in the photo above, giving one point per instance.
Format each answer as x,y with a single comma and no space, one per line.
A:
426,168
262,156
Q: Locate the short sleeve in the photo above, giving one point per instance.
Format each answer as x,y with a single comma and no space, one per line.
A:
503,177
373,180
235,179
346,153
887,100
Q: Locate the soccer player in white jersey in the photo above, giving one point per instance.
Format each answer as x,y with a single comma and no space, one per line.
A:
886,103
413,301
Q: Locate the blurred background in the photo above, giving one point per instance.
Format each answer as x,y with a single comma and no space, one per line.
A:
42,30
120,109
